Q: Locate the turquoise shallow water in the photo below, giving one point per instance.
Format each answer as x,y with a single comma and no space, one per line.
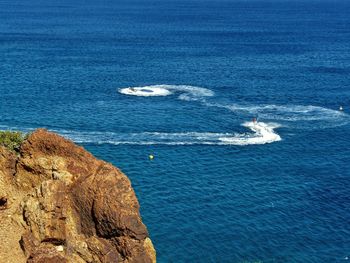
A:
216,191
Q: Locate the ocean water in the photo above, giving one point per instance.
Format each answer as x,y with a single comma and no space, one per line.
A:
182,80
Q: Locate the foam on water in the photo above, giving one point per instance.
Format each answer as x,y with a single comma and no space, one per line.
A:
295,116
188,93
146,91
261,133
290,112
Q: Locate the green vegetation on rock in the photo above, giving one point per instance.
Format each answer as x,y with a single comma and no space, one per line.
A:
12,139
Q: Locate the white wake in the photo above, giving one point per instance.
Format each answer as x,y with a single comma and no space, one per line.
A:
304,117
312,116
146,91
186,92
294,116
261,133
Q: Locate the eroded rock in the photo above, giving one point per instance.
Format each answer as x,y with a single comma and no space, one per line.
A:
70,207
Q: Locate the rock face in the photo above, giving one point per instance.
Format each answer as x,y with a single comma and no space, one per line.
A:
60,204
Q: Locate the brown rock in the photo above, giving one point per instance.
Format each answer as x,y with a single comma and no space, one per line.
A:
67,206
47,254
29,243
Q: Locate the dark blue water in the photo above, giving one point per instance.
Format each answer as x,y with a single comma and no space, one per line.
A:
216,191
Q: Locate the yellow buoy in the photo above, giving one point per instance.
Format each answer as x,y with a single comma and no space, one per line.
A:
151,157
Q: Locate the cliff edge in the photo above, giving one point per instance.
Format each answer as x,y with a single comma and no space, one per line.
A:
59,204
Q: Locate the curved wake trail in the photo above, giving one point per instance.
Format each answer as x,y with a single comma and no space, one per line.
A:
296,116
261,133
310,117
188,93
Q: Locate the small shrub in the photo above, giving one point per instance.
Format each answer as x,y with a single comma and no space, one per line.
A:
12,139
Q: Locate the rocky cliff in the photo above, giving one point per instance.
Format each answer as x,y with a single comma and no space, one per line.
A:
59,204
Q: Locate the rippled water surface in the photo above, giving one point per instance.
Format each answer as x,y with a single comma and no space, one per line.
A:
182,80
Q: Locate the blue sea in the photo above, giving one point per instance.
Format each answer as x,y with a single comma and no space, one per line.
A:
182,80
